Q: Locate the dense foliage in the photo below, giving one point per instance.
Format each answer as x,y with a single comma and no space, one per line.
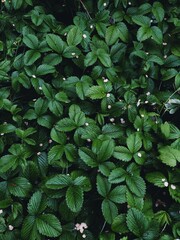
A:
89,103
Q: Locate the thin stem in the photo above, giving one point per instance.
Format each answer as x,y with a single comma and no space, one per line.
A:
85,9
103,226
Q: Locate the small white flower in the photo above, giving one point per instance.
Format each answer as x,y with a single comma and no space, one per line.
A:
142,115
65,34
34,76
163,179
77,56
91,26
165,56
84,236
39,153
138,102
112,119
156,122
108,95
5,123
13,25
41,144
106,80
139,154
87,124
148,93
104,4
164,43
10,227
138,130
73,53
151,21
1,211
147,53
2,134
40,88
34,99
146,102
64,78
122,120
173,186
84,36
109,106
146,76
50,140
129,3
166,184
89,140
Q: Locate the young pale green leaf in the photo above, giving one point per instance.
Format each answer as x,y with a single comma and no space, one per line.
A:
118,194
74,36
104,57
134,142
112,35
65,125
48,225
117,175
31,41
169,156
55,153
103,186
55,42
165,129
96,92
74,198
136,185
158,11
109,210
122,153
136,222
59,181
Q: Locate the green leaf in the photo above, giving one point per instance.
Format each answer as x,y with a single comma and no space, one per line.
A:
123,32
158,11
157,34
157,178
136,185
107,236
169,156
88,156
136,222
49,225
36,17
144,33
7,162
165,129
19,187
117,175
119,224
30,57
112,35
65,125
141,20
74,198
44,69
58,137
106,150
96,92
37,204
122,153
17,4
104,57
55,42
40,106
103,186
59,181
55,153
109,210
134,142
74,36
90,59
118,194
29,229
31,41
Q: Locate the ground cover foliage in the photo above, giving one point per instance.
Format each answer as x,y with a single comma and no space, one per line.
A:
89,105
